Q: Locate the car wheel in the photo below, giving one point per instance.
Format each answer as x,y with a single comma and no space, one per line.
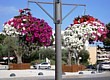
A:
48,67
39,67
34,67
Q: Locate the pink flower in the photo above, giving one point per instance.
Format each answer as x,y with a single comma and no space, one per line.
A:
33,29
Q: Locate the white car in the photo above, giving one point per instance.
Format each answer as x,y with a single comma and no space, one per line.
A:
105,66
43,65
4,67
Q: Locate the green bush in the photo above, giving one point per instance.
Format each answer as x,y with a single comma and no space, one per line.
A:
52,62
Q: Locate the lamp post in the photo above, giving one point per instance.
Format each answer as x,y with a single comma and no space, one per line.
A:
58,21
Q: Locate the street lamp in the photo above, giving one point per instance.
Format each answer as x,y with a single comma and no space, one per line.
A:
58,21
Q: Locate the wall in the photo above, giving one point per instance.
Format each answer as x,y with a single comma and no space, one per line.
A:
93,55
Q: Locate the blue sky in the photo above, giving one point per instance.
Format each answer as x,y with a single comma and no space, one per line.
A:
97,8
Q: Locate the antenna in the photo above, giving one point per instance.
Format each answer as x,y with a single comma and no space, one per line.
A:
28,4
84,10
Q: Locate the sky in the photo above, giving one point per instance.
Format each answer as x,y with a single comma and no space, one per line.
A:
96,8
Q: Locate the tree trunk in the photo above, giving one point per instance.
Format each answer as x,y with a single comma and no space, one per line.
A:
19,57
78,61
69,58
75,56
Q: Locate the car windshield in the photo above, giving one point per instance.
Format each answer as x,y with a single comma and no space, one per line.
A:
44,63
105,63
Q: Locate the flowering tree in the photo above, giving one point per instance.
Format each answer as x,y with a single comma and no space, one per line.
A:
29,30
83,31
107,40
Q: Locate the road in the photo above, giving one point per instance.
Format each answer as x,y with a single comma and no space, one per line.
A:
105,76
35,78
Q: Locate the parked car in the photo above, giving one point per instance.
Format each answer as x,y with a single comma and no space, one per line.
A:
4,67
104,65
90,67
43,65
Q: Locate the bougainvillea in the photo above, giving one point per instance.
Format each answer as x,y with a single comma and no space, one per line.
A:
32,29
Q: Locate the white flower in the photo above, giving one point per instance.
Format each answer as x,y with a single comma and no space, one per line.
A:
99,34
22,24
24,28
102,29
24,19
79,32
94,36
12,23
10,30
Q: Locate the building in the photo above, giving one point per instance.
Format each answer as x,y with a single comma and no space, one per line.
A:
98,55
103,55
92,55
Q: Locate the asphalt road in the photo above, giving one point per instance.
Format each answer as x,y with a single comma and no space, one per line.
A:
64,78
35,78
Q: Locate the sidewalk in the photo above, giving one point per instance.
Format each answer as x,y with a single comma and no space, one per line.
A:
25,73
43,73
